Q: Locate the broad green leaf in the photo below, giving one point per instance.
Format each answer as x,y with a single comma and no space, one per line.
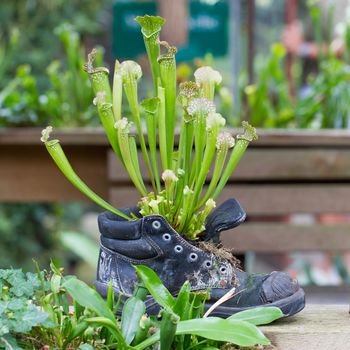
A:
155,286
232,331
88,297
30,317
258,316
182,301
133,310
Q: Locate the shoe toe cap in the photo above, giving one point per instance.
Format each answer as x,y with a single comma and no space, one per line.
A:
278,285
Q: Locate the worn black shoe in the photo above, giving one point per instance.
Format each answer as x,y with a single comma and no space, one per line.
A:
151,241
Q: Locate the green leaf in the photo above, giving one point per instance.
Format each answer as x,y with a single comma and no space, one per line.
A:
232,331
155,286
15,304
30,317
88,297
182,301
133,310
258,316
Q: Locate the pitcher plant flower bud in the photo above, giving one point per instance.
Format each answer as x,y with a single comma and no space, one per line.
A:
207,78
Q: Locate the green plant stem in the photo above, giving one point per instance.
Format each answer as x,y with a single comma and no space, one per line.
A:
117,92
134,158
162,134
151,110
131,94
204,169
167,67
56,152
123,139
199,141
187,199
235,157
107,120
219,164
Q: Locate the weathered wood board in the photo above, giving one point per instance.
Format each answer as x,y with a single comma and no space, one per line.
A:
317,327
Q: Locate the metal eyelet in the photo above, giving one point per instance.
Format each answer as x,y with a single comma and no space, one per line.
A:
166,237
156,224
178,249
193,257
223,269
208,264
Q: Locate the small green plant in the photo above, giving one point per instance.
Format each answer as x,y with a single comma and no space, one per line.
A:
36,313
177,173
269,102
69,99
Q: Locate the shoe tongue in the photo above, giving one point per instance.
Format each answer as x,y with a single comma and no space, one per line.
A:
228,215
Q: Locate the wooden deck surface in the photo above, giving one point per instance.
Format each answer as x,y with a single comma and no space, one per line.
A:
317,327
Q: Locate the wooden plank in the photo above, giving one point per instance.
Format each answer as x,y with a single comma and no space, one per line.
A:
270,199
265,164
267,137
28,173
282,237
317,327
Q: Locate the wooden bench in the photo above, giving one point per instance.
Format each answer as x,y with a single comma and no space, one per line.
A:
317,327
282,174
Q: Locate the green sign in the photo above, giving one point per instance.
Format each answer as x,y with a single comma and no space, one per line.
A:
208,29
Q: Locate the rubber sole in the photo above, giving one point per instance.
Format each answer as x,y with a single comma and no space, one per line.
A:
289,306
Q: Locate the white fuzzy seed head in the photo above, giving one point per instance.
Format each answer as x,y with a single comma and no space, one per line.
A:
123,124
210,204
201,105
215,120
225,140
169,176
45,134
207,75
130,69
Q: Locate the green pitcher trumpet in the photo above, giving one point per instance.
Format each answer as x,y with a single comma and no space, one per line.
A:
99,77
56,152
167,68
150,28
